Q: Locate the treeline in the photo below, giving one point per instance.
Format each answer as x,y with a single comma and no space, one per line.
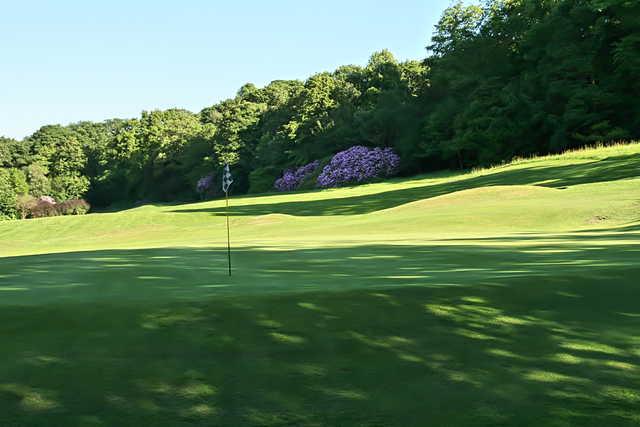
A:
508,78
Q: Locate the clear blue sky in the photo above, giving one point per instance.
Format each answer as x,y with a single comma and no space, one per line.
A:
64,61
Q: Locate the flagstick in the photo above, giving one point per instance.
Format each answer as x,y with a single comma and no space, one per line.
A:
228,233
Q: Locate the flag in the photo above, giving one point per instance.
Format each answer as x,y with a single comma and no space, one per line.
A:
227,180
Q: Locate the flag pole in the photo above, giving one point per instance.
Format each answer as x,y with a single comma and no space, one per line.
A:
226,194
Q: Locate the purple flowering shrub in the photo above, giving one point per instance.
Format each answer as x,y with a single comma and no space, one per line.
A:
204,184
292,179
359,164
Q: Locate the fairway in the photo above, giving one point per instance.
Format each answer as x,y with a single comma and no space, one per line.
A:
502,296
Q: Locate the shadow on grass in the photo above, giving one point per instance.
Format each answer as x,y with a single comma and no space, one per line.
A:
457,335
609,169
193,273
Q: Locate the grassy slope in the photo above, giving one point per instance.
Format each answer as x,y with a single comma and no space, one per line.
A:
505,296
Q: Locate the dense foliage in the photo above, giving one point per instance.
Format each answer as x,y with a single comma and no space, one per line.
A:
292,179
357,165
28,206
508,78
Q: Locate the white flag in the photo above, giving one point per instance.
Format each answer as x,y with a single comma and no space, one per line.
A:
226,178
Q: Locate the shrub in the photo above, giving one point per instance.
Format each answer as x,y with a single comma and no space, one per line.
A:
204,184
359,164
73,207
25,204
293,179
43,208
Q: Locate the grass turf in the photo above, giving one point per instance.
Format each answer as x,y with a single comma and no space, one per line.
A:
505,296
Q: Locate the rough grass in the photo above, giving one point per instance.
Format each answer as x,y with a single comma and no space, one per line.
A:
505,296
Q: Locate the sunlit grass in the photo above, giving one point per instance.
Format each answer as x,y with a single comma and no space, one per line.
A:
502,296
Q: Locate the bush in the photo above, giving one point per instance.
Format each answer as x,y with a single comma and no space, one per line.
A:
359,164
25,204
43,208
203,186
46,206
73,207
293,179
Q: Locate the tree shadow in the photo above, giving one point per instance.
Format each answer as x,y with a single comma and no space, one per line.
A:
459,335
167,274
609,169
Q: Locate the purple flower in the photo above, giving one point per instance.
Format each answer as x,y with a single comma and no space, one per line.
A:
292,179
204,184
359,164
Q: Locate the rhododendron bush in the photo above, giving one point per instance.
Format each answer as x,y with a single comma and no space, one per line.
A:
204,184
292,179
359,164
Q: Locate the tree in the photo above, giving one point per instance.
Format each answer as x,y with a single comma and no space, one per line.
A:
37,179
458,25
12,185
60,153
163,137
14,153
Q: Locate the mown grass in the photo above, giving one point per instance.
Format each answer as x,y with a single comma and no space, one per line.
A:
505,296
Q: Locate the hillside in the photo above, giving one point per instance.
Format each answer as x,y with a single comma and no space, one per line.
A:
591,189
510,292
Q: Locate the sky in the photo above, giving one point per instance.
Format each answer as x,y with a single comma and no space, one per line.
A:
64,61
